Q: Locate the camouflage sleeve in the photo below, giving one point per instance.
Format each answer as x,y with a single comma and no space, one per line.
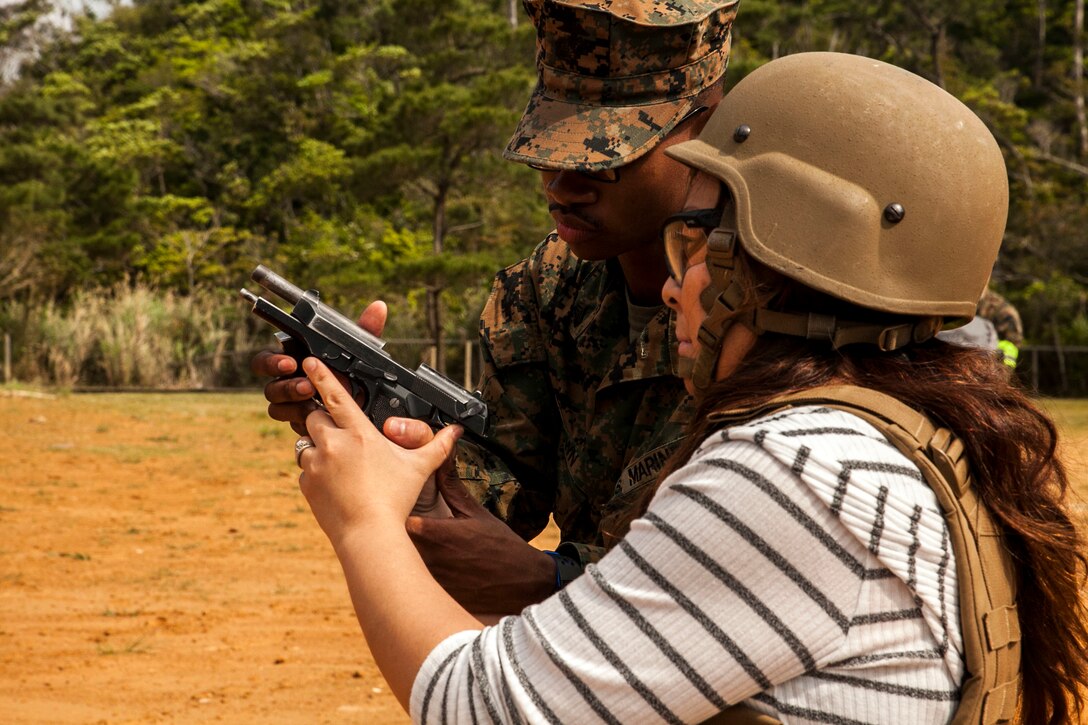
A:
1003,315
515,383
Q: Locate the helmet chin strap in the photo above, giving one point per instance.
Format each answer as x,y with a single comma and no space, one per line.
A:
720,301
724,295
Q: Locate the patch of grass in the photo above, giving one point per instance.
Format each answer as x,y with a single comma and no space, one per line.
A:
59,483
183,547
122,452
272,431
135,647
1070,413
163,439
74,555
122,613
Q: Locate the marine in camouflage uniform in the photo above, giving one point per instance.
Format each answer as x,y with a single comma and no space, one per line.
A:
996,326
590,414
1006,321
588,411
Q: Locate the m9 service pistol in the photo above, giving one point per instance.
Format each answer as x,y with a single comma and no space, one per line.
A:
314,328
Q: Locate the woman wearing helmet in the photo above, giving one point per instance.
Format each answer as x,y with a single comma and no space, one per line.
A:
865,524
844,209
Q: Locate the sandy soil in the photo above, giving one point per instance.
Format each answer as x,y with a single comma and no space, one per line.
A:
158,565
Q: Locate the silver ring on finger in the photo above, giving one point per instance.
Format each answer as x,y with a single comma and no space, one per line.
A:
300,445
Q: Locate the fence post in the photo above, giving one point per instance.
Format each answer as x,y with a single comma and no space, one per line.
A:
1035,369
7,357
1061,356
468,364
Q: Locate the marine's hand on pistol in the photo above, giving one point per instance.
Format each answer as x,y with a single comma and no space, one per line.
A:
289,394
477,558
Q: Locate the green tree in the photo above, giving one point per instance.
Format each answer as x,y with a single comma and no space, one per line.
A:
441,134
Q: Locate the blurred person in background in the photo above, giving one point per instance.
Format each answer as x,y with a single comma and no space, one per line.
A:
996,326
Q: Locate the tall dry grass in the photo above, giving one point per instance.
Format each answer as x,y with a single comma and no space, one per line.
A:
134,336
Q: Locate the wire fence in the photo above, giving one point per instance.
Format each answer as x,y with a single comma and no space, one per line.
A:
464,361
1052,370
1049,370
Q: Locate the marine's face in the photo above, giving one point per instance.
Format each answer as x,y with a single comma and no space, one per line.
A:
601,220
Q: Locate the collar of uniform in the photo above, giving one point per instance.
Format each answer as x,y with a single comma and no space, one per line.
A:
600,307
603,301
650,355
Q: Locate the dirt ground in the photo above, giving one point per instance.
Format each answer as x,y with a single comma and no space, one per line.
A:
158,565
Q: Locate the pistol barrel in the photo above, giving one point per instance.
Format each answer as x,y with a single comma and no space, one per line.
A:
272,282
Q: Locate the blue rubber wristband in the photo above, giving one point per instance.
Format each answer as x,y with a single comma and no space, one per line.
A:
558,577
566,569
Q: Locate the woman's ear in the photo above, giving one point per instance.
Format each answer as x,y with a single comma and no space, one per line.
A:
738,342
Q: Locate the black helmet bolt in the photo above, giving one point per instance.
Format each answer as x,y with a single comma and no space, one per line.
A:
742,133
894,213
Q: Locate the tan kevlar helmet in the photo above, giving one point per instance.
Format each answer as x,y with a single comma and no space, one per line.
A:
861,180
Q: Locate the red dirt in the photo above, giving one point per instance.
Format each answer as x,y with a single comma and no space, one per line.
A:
159,565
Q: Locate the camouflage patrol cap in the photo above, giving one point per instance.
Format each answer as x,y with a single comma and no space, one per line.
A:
615,77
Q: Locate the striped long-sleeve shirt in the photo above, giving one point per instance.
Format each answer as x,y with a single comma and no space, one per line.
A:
799,563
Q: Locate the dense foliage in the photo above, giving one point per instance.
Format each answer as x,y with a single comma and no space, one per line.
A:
355,145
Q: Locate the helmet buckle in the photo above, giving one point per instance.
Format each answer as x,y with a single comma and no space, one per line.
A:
708,339
721,248
926,328
893,338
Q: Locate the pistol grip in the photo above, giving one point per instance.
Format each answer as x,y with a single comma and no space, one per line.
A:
381,405
296,349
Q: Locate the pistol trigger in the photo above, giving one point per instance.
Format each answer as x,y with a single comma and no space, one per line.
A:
356,388
362,384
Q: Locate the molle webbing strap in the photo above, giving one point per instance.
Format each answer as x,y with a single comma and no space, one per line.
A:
984,569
